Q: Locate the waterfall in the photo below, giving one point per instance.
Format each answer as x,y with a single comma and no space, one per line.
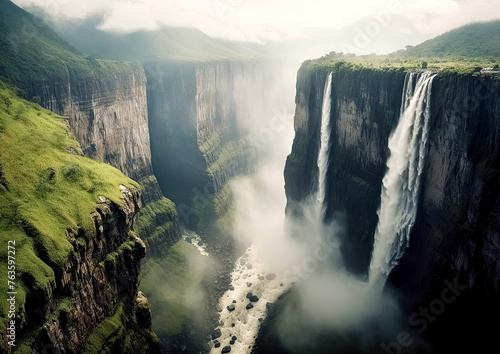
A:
400,185
324,147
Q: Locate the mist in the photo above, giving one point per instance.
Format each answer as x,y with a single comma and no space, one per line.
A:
330,25
316,292
305,254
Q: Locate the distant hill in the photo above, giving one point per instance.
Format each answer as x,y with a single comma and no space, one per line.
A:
30,50
478,40
467,49
167,43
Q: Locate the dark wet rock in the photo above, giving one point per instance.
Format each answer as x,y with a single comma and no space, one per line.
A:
231,307
270,307
234,301
249,306
226,349
234,338
216,334
249,295
254,298
231,342
216,343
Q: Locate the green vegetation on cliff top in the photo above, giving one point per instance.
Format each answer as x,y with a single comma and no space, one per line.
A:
32,51
47,191
466,50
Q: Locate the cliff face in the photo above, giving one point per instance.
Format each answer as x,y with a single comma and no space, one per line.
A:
456,234
365,108
108,116
99,279
76,258
200,112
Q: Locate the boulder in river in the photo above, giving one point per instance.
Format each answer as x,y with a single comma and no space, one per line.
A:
226,349
216,334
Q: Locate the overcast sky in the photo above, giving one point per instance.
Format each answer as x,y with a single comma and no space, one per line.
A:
368,25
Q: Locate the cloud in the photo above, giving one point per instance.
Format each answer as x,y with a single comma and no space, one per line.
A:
135,15
329,24
276,20
435,17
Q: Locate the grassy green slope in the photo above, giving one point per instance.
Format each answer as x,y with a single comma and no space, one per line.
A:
31,51
46,188
472,41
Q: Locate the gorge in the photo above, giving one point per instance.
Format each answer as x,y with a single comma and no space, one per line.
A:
169,171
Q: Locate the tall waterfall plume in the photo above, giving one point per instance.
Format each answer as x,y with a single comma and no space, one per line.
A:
324,147
400,185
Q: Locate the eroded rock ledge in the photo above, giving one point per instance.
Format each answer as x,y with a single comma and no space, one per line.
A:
94,304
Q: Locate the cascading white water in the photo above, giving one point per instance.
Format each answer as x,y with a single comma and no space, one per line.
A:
324,148
400,185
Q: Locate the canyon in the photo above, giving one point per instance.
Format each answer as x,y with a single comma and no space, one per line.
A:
187,131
